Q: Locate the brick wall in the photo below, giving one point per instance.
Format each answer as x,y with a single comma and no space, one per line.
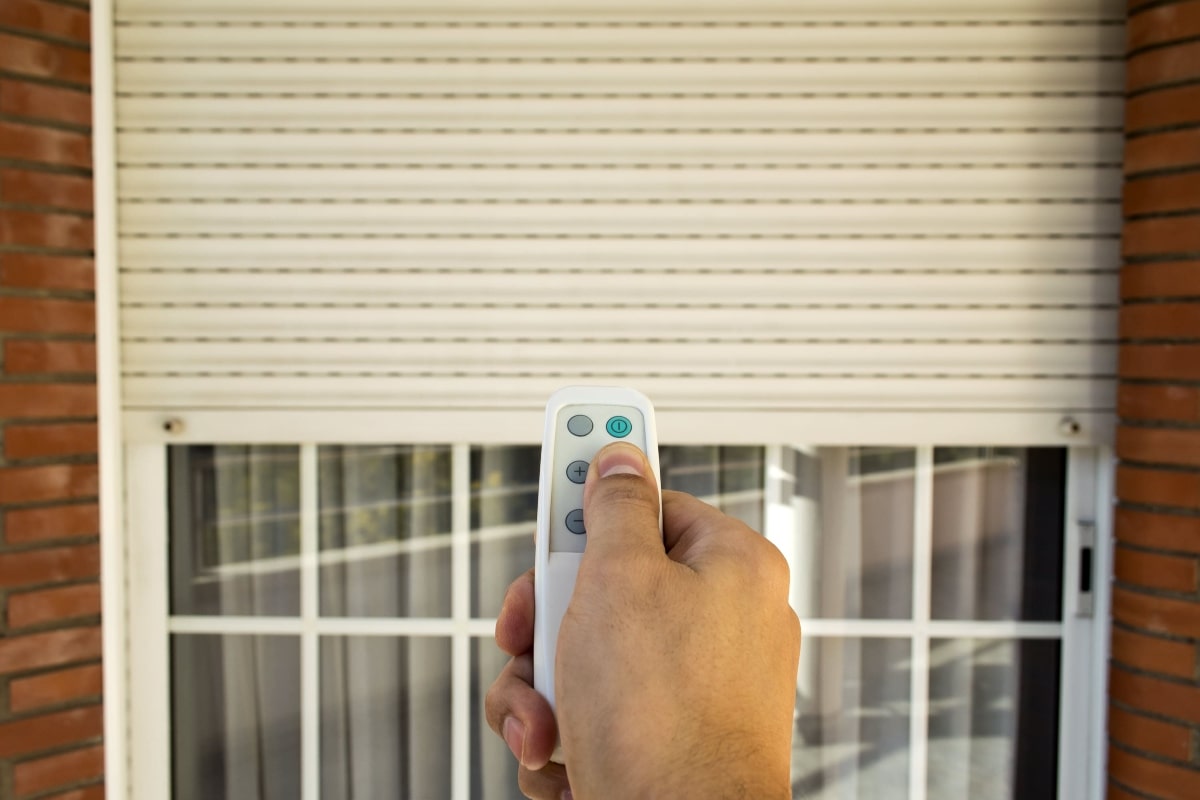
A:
1154,724
50,704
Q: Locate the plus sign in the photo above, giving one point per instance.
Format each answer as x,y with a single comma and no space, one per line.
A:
580,472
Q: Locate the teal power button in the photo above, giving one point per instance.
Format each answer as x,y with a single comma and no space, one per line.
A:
619,427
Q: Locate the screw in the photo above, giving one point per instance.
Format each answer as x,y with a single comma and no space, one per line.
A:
1069,426
173,426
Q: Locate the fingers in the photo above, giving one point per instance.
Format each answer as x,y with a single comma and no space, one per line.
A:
548,783
514,626
621,503
520,715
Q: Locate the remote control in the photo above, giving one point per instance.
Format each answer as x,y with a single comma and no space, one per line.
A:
580,420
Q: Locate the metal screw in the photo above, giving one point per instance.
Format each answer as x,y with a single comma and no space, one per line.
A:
1069,426
173,426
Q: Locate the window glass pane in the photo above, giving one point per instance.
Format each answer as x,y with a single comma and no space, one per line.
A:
385,717
493,768
851,543
997,533
236,714
993,719
729,478
852,719
385,531
234,529
504,498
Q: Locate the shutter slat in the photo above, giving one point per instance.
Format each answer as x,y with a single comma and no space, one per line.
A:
634,40
618,286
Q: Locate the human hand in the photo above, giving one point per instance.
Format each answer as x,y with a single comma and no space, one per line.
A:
677,656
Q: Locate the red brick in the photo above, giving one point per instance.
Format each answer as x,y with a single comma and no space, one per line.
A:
50,482
31,271
37,650
50,731
1161,236
1166,698
70,192
41,229
51,19
1156,571
41,59
44,315
1160,151
1161,108
1163,531
50,605
1160,321
1164,24
33,356
32,777
60,522
1117,793
1180,447
1142,733
1162,193
1161,279
1158,402
47,400
1170,64
1153,777
53,688
29,567
93,792
44,145
1157,614
41,441
38,101
1163,361
1154,654
1158,487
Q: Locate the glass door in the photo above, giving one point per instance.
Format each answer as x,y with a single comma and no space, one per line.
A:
331,611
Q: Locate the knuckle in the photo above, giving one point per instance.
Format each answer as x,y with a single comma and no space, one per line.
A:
627,491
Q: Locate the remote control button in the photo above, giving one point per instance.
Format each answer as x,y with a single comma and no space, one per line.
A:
619,427
577,471
580,425
575,521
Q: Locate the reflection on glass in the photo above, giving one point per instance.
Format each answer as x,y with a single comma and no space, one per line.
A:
234,529
846,527
493,768
504,498
997,533
729,478
993,712
236,711
852,719
385,717
385,531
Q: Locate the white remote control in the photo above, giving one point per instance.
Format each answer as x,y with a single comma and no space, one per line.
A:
580,420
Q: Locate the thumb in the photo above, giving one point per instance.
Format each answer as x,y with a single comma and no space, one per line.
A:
621,502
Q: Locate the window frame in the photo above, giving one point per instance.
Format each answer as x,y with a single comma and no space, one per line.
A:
144,572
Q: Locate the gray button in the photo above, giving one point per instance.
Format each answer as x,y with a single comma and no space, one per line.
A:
580,425
575,521
577,471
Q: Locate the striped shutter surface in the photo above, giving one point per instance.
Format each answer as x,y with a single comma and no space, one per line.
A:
815,207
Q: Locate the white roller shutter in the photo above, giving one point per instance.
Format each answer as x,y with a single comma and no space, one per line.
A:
871,206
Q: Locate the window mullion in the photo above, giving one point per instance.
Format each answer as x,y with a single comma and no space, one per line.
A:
310,644
460,586
922,589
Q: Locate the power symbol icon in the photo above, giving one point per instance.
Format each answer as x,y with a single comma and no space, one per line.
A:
619,427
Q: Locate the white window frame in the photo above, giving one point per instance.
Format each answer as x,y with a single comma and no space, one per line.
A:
145,697
133,495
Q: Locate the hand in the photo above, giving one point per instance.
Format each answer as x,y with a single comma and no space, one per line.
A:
676,660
